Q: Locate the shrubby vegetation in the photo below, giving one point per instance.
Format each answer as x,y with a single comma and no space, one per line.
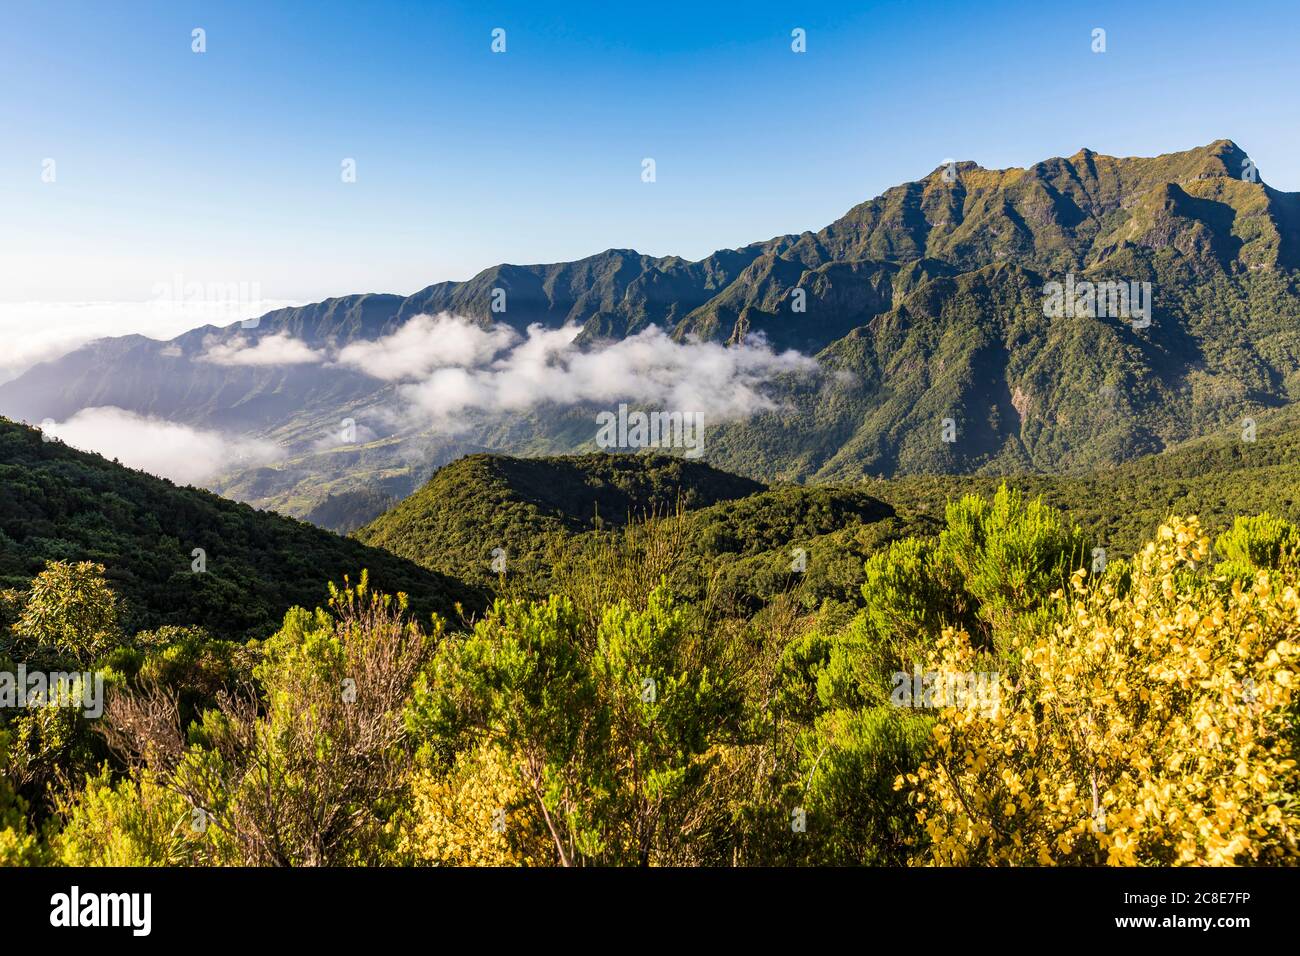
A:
1154,724
1140,712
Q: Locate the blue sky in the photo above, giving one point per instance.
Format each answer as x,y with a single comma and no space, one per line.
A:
225,166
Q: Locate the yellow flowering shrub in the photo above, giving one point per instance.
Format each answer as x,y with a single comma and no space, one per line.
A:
476,815
1155,723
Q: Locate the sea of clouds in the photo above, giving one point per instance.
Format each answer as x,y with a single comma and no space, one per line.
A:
445,366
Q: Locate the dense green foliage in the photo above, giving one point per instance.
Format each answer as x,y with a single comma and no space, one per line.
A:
349,510
1217,477
481,506
59,504
653,731
680,667
746,543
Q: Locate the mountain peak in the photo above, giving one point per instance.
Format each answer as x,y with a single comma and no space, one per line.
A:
1224,157
948,167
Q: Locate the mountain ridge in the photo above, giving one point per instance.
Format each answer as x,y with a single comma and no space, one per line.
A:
923,305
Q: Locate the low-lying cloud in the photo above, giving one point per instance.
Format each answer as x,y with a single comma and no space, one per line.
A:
451,373
278,349
445,366
547,367
425,343
188,456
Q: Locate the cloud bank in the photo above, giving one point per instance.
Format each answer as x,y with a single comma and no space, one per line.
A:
445,366
188,456
426,343
451,373
278,349
546,367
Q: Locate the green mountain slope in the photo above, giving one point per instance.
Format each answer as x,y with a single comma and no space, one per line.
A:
747,541
470,508
1216,477
57,503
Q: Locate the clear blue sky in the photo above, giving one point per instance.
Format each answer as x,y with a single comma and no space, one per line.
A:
225,166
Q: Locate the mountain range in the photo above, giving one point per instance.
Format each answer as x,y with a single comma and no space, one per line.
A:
923,308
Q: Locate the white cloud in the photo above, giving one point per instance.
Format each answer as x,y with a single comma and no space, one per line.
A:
35,332
425,343
278,349
546,367
184,454
449,373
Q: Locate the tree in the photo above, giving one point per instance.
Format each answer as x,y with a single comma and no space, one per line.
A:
667,703
70,608
519,682
992,566
1008,554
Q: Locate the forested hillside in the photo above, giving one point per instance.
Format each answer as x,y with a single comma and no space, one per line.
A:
480,506
539,512
60,504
